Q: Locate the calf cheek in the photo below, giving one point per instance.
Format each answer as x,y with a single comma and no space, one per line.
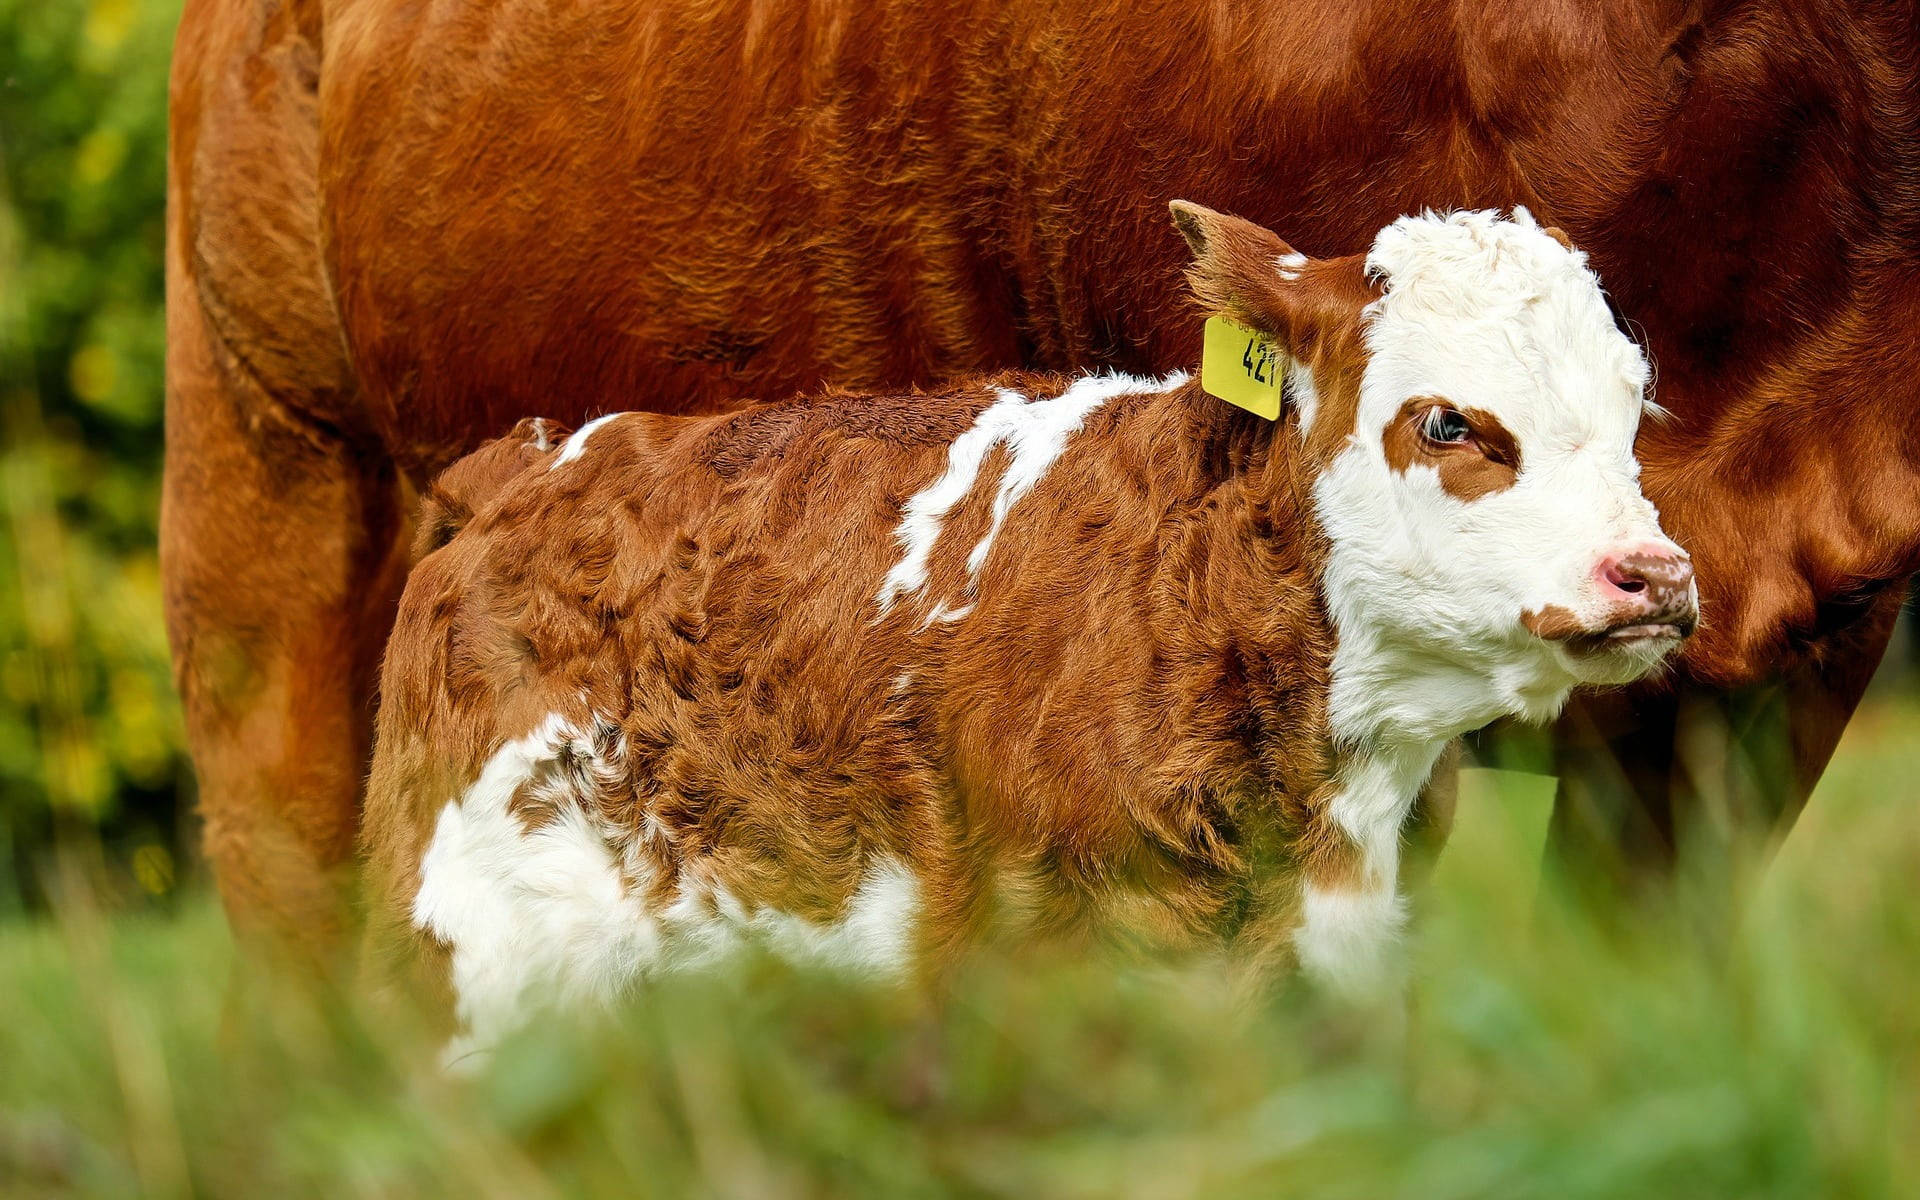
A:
1545,546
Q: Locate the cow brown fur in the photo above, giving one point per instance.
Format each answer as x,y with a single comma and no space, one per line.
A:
394,228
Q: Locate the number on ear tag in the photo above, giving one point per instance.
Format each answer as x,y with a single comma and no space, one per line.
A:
1240,366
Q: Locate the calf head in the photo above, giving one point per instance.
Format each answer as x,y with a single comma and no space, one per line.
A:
1466,408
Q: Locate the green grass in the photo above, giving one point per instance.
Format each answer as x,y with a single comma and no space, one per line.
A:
1536,1058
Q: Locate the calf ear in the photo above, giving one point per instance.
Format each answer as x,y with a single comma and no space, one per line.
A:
1248,274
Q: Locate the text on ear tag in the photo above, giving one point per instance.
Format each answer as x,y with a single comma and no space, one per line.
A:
1240,366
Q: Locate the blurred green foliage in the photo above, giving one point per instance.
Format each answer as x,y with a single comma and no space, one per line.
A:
1539,1056
89,732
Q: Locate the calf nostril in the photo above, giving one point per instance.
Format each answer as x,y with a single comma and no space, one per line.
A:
1624,580
1649,585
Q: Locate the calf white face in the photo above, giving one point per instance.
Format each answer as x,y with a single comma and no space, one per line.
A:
1471,409
1488,502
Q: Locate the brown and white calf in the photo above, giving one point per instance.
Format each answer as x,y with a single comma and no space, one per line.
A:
852,677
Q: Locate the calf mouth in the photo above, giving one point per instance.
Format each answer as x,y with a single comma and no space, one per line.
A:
1646,633
1563,629
1620,648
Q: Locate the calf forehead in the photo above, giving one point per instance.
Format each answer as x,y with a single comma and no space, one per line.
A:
1495,314
1539,381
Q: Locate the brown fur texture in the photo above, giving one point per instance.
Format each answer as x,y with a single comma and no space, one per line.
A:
454,495
1554,623
1130,716
396,228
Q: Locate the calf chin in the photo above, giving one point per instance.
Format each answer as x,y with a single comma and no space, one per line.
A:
1609,658
1620,664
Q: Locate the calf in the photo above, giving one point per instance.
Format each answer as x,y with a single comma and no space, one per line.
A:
853,677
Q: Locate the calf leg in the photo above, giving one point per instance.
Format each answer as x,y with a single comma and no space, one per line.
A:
1352,911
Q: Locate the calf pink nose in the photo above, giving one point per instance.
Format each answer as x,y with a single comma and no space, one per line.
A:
1649,584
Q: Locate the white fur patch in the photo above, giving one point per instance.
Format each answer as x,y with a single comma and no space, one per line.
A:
1302,393
576,443
1346,940
1377,790
1035,433
554,916
943,614
1346,937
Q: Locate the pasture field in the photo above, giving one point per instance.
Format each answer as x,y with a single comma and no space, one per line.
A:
1537,1057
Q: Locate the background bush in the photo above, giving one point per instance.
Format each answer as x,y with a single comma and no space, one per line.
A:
89,729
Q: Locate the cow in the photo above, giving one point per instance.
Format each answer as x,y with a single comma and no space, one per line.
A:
396,228
857,676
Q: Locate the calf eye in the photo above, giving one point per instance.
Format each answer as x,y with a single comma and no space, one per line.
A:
1445,427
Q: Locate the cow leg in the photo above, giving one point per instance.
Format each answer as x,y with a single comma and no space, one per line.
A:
280,514
281,565
1694,787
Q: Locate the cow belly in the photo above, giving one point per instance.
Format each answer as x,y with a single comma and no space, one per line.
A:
548,904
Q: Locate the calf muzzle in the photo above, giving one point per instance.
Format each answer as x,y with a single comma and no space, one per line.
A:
1651,592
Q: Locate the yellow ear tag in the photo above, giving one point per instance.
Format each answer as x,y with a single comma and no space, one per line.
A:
1241,367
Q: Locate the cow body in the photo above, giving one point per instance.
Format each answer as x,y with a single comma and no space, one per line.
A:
857,676
396,228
